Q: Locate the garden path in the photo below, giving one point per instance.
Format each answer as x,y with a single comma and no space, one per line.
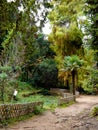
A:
74,117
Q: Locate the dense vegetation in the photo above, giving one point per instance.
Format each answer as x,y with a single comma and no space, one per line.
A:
66,58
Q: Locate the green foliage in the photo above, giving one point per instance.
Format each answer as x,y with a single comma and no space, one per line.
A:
8,83
41,50
66,41
88,74
90,81
46,74
37,110
92,14
4,76
19,30
66,104
5,68
94,111
3,123
66,35
87,86
85,73
20,85
50,102
65,11
92,31
72,62
44,46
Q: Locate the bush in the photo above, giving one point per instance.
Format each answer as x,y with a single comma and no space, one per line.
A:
46,74
37,110
94,111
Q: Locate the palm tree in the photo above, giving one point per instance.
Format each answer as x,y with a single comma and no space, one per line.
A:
72,63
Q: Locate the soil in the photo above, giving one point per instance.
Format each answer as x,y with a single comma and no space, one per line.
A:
74,117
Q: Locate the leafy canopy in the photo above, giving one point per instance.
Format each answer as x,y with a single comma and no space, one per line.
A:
72,62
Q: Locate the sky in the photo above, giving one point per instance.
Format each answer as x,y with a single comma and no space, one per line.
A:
47,29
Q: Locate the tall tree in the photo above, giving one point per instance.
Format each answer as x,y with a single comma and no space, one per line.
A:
92,14
72,63
19,24
66,33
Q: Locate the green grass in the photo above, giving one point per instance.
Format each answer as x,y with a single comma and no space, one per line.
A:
66,104
24,88
50,102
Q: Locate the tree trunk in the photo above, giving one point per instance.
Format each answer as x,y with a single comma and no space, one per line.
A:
67,84
2,93
76,79
73,83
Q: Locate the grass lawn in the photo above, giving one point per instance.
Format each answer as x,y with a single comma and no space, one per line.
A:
25,96
50,102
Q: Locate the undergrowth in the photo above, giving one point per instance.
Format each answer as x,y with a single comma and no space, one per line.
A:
94,111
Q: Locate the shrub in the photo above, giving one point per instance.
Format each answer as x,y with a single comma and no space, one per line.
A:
94,111
46,74
37,110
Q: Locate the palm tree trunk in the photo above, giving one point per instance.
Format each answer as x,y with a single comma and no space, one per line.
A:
73,82
76,79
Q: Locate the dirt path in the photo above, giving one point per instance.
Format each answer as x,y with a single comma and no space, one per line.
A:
74,117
